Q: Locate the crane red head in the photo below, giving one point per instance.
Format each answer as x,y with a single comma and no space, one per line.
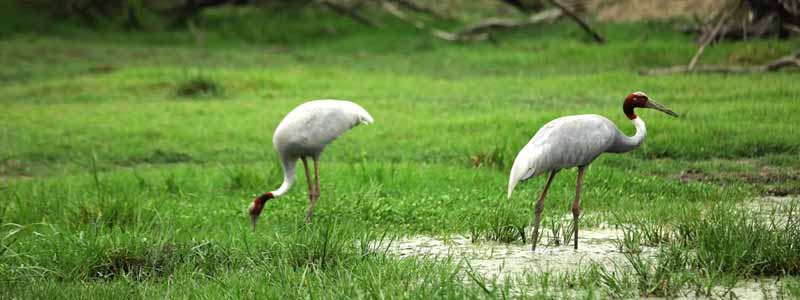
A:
257,206
640,99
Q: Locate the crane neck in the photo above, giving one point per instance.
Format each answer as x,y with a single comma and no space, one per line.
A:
288,178
641,131
624,143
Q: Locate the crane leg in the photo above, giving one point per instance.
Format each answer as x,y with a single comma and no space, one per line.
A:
315,194
310,191
576,205
538,211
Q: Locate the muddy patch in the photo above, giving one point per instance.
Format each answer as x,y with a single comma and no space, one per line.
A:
771,181
494,260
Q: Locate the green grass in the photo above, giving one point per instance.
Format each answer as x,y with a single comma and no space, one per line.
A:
113,184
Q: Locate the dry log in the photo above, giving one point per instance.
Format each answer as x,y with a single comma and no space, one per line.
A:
777,64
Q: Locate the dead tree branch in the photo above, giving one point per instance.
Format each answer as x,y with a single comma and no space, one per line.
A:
710,37
752,19
448,36
775,65
792,28
586,27
478,31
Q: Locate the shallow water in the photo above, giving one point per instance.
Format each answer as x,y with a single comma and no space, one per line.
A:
498,260
761,289
773,209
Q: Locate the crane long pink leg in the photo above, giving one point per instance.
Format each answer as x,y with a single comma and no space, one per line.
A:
310,190
576,205
538,210
316,179
315,193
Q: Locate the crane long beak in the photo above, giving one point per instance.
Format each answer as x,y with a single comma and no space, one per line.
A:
658,106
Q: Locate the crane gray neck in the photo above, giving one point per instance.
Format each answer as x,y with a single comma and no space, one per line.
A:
288,178
625,143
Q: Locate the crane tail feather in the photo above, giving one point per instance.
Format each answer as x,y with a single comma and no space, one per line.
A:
511,185
366,119
363,116
525,166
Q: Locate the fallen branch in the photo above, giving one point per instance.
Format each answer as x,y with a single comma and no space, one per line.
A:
586,27
352,13
448,36
777,64
479,31
790,27
500,23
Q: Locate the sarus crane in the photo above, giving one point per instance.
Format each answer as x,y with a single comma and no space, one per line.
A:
575,141
303,134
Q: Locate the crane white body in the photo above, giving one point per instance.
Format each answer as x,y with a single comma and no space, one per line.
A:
576,141
571,141
309,128
304,133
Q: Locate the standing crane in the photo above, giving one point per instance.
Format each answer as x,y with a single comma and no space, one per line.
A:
304,133
575,141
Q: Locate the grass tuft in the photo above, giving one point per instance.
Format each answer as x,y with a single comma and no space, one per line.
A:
198,85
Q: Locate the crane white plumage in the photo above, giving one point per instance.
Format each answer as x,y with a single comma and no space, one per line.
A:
304,133
576,141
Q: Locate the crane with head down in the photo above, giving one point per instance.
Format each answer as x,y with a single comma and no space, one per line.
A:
303,134
575,141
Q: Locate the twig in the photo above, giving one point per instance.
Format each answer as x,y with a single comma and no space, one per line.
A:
586,27
199,37
774,65
353,14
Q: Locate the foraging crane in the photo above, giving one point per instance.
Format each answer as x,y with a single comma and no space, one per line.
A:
304,133
575,141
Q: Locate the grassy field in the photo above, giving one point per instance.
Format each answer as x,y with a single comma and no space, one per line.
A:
127,160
